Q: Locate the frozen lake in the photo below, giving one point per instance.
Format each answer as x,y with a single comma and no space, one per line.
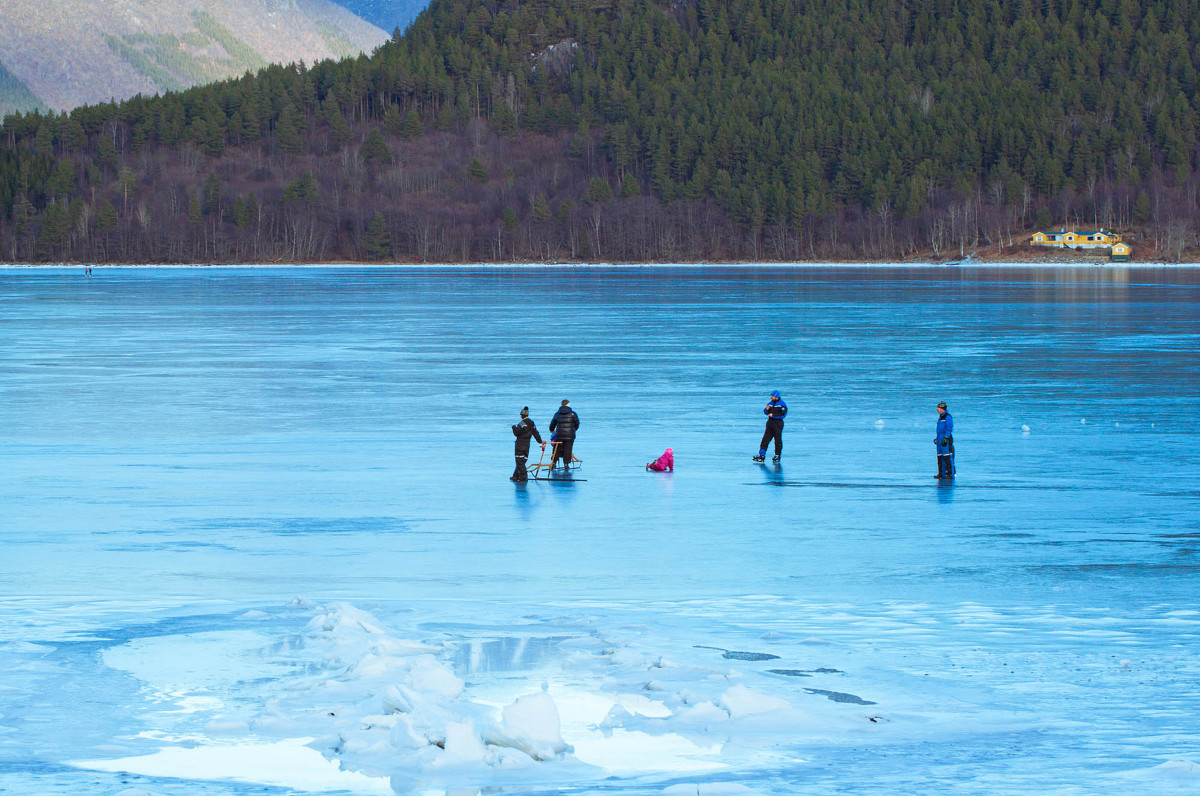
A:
258,536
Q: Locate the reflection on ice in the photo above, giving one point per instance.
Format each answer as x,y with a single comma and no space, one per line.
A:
503,654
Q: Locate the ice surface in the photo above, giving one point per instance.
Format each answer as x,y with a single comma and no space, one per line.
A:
258,535
287,764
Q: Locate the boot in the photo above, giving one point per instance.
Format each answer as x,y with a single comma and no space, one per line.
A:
760,458
775,459
939,472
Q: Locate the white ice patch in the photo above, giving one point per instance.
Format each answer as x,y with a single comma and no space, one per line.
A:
284,764
631,752
392,710
390,707
196,661
1170,771
740,702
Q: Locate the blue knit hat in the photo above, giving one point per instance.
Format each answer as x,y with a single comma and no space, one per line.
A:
775,394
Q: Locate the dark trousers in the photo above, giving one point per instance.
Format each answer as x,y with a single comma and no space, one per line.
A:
563,451
945,465
774,432
521,474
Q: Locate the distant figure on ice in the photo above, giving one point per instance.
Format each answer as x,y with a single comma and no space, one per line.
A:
564,425
664,462
523,430
944,440
775,411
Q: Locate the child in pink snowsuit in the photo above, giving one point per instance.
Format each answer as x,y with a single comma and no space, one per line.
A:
664,462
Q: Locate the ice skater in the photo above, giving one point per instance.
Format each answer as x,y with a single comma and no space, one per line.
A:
662,463
944,440
523,430
563,425
775,410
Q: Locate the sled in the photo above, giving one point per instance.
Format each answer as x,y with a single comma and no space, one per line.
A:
542,472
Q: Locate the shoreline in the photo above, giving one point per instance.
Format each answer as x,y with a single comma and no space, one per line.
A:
961,265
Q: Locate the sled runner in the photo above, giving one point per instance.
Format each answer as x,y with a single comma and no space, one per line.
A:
542,472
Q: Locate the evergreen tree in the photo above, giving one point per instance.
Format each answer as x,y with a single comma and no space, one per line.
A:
245,211
1141,208
52,236
504,122
62,182
476,171
377,241
375,149
598,190
43,141
539,211
393,121
106,216
288,130
1043,220
212,195
303,189
412,126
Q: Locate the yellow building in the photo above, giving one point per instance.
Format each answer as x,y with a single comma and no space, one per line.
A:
1076,240
1121,253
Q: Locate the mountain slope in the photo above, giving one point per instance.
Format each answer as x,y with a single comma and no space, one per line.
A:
73,52
645,129
15,95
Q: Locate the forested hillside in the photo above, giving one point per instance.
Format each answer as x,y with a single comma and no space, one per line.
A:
643,130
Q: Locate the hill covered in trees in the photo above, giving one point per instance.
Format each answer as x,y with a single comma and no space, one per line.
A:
642,130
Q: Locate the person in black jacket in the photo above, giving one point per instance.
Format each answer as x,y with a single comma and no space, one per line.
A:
523,430
563,426
776,411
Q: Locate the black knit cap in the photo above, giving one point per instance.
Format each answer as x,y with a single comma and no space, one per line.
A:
525,412
941,404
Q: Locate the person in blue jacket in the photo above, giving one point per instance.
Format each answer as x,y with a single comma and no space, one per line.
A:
775,411
944,440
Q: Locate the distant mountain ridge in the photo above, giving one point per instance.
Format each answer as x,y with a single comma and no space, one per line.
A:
68,53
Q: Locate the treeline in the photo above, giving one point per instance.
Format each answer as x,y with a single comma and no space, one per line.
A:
643,130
